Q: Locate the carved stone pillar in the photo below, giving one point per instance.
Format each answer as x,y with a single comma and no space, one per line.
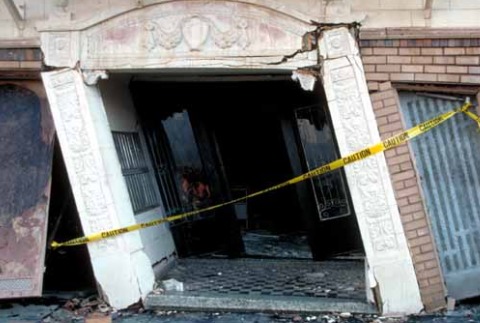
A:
388,257
122,270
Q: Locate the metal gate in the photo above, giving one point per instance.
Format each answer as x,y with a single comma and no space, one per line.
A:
447,160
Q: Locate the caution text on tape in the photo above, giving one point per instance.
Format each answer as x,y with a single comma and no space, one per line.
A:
361,154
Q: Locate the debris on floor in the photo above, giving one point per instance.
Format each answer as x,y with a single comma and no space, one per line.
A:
327,279
98,318
273,285
265,244
56,313
28,312
172,285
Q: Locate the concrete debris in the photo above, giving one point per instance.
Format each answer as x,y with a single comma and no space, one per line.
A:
450,303
22,313
172,285
89,307
345,315
165,313
98,318
103,308
265,244
158,291
136,307
88,302
306,78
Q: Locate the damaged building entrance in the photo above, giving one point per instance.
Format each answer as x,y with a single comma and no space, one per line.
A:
202,36
211,142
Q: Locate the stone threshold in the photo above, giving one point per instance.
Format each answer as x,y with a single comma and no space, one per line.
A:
249,303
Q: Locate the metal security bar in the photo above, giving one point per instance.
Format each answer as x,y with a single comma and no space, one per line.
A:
447,159
319,148
164,165
138,176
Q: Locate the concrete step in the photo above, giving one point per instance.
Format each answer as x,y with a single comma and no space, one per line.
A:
249,303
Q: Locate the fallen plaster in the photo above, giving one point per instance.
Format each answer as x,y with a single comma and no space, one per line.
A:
306,79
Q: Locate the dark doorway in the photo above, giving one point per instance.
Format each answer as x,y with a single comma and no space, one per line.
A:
66,269
243,137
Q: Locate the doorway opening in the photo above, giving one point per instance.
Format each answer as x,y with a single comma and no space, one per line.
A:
238,138
214,141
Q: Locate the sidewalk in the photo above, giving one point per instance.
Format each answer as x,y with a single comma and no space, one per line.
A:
54,313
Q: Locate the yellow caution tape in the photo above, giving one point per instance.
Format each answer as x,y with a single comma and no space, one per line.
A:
473,116
341,162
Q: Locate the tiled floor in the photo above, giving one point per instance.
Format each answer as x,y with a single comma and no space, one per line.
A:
260,277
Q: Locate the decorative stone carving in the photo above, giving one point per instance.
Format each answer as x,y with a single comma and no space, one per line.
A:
195,31
366,176
81,126
60,48
338,44
178,33
60,11
77,147
371,190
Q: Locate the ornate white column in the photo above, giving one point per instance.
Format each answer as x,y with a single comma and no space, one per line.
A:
388,257
122,270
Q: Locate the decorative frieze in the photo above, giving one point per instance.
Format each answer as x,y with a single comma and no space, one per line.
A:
174,34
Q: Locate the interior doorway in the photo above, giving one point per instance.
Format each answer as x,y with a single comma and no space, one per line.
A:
237,138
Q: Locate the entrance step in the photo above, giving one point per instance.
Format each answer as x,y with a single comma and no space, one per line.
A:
263,285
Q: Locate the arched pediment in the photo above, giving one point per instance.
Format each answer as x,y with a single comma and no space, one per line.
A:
182,34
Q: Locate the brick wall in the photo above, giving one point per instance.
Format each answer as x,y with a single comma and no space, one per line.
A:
421,61
432,60
20,63
410,202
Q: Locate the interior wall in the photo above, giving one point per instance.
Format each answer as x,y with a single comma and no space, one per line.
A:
122,116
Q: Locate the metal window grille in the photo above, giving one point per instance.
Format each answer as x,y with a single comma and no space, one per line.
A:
319,147
164,165
138,176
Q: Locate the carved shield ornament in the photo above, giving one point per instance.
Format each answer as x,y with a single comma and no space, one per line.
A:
195,32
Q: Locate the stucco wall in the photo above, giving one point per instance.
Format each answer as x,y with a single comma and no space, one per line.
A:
121,114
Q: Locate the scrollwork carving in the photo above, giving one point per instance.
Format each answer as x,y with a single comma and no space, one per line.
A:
157,36
81,157
195,31
366,175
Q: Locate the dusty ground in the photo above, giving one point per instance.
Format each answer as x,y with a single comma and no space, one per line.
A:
56,311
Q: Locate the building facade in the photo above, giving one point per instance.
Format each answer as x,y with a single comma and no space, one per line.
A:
403,64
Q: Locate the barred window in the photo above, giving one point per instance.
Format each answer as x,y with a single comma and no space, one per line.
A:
138,176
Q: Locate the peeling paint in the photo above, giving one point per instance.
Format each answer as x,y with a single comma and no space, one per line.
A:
26,142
